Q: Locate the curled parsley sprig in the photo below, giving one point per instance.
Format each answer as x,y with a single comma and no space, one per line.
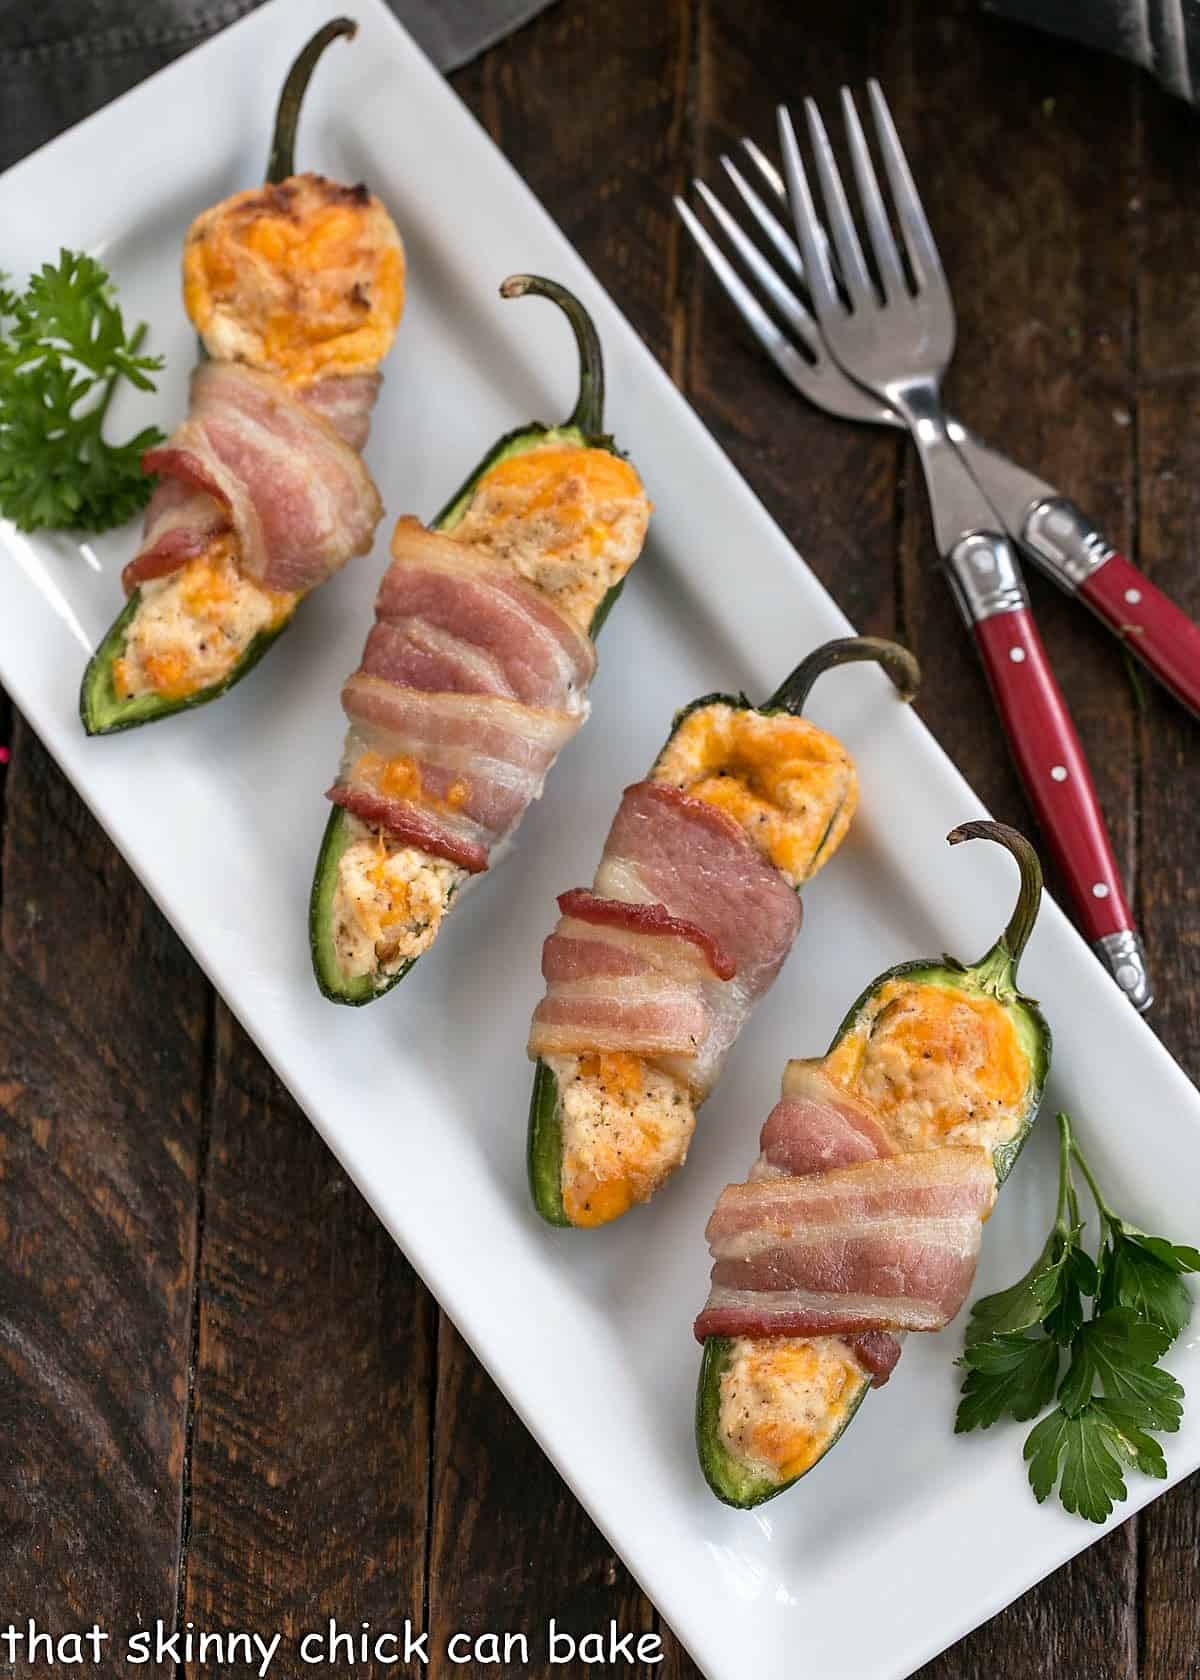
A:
1114,1397
64,350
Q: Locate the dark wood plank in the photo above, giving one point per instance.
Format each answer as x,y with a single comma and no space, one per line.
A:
831,486
511,1548
1023,190
589,103
102,1021
1169,549
308,1482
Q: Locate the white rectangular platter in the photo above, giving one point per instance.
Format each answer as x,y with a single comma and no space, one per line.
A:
423,1096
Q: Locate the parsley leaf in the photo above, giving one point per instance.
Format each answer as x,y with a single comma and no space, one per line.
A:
1006,1374
1085,1455
1115,1397
1119,1351
1026,1302
64,350
1079,1278
1142,1450
1143,1273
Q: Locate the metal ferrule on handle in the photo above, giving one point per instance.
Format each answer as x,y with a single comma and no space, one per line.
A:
1152,627
1125,959
1063,542
985,577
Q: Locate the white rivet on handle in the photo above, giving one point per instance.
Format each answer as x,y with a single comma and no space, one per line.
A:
1133,596
1059,773
1100,890
1017,655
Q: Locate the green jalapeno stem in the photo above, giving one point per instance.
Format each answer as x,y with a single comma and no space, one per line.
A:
282,161
1029,896
588,414
900,665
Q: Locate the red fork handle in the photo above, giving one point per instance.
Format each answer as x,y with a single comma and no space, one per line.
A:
1161,634
1049,758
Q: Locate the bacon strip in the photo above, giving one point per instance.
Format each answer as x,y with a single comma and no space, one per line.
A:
180,523
815,1126
679,871
623,974
645,919
836,1234
877,1352
450,617
470,685
346,401
252,456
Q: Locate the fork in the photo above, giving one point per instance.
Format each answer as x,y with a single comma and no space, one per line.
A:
896,353
814,373
1055,534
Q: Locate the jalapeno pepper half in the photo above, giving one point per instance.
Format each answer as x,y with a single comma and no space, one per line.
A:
792,789
103,708
945,1053
582,429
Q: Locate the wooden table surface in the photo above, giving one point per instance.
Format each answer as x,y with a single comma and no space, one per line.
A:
224,1397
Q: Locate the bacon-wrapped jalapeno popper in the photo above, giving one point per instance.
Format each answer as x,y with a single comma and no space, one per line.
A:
474,675
652,972
296,289
862,1217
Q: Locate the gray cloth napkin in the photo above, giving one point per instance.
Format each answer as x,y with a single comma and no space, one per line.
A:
60,60
1161,35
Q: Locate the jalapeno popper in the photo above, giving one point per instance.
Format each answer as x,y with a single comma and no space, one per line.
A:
296,289
474,676
862,1217
652,972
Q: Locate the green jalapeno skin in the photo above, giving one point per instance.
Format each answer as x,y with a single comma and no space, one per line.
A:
994,975
581,429
545,1124
101,709
733,1482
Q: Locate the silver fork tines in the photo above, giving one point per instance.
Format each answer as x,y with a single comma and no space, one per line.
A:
918,237
811,371
891,337
770,224
891,275
767,170
792,365
784,300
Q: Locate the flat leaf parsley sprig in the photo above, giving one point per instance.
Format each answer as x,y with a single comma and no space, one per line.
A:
1115,1398
64,349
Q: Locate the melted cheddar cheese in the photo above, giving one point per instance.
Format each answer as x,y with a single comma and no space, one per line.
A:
625,1127
570,519
388,902
791,786
192,627
400,778
303,279
784,1399
939,1065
